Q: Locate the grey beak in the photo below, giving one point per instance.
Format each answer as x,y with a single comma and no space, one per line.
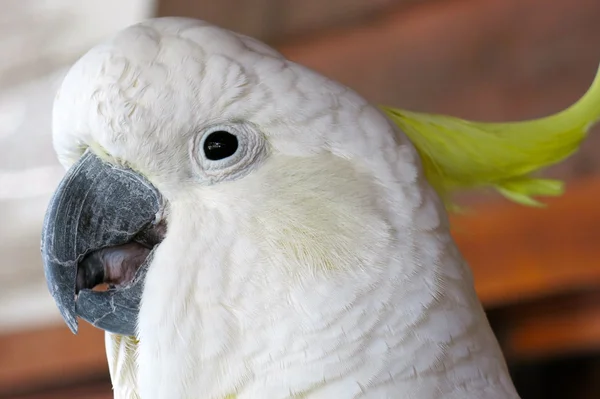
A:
96,205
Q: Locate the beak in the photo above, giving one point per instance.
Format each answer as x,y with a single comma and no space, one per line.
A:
98,213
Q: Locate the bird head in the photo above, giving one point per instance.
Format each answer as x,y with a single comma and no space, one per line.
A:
208,154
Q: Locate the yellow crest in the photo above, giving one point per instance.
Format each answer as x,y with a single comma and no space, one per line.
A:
460,154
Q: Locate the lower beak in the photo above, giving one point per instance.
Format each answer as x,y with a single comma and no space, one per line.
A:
98,216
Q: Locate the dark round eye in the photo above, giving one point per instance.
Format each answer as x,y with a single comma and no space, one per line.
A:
220,145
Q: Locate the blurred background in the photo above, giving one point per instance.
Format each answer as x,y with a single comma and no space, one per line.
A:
537,271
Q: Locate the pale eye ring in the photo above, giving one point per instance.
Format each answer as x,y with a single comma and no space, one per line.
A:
225,152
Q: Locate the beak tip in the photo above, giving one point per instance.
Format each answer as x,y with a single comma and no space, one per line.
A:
67,310
63,292
71,320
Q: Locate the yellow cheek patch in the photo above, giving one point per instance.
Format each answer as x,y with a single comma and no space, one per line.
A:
316,213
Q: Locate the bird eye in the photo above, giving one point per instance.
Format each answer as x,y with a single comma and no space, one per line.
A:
226,151
220,145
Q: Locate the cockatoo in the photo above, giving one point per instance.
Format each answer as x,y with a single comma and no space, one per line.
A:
268,233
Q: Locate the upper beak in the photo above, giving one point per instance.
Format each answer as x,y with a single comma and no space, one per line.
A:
96,206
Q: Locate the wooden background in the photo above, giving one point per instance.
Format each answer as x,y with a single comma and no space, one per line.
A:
536,270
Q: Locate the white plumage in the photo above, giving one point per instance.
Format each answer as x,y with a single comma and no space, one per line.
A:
317,265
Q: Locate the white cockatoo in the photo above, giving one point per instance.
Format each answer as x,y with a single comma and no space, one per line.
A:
266,232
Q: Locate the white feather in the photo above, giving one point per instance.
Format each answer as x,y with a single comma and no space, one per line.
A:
326,271
121,353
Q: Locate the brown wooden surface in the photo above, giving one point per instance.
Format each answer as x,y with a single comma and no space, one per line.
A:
484,59
565,324
50,356
272,20
82,390
519,253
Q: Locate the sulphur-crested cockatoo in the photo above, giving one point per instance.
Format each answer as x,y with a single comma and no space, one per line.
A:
266,232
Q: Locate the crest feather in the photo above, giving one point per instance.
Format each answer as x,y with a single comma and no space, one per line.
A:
460,154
